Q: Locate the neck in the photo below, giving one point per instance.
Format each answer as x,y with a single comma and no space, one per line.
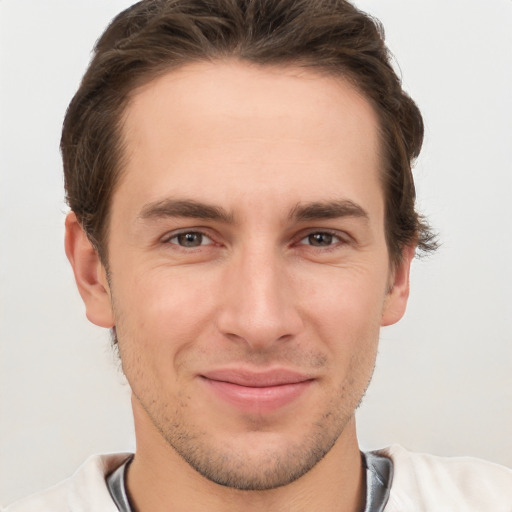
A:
160,480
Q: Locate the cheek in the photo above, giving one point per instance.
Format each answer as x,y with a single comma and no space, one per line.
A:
344,300
159,315
167,297
344,311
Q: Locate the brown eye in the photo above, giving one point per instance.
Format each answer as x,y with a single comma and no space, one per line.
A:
321,239
190,239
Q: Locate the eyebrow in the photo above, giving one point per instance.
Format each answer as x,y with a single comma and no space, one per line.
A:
190,208
328,210
184,208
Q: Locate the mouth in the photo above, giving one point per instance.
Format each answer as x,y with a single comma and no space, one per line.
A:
257,392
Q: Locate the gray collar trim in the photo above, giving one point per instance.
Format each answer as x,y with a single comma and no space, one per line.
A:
379,475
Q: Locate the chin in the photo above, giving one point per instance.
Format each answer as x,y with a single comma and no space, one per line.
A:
257,459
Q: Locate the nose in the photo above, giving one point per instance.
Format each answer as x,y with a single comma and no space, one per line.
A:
259,306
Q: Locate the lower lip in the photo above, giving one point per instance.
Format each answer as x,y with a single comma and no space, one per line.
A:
258,400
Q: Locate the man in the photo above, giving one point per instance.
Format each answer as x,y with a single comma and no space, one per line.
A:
243,220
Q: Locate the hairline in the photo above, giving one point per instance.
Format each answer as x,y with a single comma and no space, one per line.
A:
137,87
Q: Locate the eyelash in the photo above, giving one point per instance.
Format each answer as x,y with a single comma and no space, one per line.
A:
337,239
168,239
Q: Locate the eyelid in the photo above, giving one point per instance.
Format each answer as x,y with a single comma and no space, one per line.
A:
342,236
333,235
173,234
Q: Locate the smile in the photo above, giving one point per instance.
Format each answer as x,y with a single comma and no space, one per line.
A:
257,393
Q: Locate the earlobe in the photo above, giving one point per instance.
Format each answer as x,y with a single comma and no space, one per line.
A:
398,294
90,275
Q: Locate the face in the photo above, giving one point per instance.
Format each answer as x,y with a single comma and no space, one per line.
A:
248,268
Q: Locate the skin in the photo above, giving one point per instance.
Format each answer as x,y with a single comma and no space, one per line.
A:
247,232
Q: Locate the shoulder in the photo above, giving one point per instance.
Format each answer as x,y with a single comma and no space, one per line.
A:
85,490
424,482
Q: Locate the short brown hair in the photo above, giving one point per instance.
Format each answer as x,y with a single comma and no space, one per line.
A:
155,36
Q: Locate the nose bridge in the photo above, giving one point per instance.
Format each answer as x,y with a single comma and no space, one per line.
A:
258,305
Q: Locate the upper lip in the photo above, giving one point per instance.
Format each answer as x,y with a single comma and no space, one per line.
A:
257,379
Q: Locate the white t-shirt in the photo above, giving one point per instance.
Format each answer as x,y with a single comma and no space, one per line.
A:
421,483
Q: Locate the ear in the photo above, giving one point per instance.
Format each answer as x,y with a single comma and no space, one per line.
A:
398,290
90,274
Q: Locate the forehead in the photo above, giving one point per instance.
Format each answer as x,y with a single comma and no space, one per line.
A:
232,129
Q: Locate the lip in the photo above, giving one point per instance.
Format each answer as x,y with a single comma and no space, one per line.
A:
257,392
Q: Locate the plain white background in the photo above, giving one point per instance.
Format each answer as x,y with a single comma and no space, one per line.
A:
443,382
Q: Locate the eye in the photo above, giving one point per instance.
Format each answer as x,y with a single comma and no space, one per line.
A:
321,239
190,239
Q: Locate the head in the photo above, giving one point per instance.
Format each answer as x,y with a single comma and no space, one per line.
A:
154,37
239,174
